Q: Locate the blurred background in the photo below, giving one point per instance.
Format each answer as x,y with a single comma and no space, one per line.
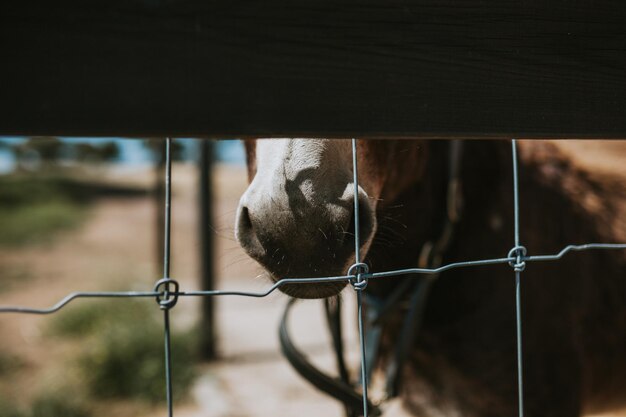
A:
86,215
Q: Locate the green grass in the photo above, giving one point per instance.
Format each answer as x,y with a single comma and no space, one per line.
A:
61,404
51,404
87,318
127,362
123,354
21,189
35,206
38,222
9,363
8,409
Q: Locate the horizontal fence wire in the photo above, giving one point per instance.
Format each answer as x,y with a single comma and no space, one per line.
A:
313,280
166,290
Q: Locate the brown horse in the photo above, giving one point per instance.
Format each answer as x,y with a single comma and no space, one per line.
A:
296,220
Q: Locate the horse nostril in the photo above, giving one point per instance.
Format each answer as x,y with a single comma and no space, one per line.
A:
244,221
366,225
366,220
246,235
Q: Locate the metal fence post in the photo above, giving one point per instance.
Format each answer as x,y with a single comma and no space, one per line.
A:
205,230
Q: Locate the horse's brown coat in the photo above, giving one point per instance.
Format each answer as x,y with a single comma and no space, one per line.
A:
574,310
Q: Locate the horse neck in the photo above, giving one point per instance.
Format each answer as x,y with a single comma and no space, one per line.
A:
568,307
419,214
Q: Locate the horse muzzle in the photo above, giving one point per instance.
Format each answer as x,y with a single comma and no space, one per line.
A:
304,242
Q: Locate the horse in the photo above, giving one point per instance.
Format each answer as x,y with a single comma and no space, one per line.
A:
296,219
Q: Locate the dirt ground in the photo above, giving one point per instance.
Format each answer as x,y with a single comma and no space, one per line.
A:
116,247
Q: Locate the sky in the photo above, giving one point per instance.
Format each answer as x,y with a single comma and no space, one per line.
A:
132,151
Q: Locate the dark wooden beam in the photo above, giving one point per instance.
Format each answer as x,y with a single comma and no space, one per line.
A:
393,68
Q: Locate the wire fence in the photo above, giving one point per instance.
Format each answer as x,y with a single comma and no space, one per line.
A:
167,290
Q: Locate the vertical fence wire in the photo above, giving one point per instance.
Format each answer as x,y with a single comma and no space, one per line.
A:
518,267
515,191
357,231
518,319
166,274
360,283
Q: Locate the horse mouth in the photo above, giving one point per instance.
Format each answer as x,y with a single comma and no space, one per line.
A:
311,290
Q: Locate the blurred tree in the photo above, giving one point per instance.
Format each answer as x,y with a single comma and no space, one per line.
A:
49,148
156,147
84,151
88,152
110,151
37,151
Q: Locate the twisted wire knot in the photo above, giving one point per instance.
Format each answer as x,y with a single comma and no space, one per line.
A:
167,297
519,253
359,271
359,285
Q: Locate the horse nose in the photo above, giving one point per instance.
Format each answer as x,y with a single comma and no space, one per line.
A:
305,241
